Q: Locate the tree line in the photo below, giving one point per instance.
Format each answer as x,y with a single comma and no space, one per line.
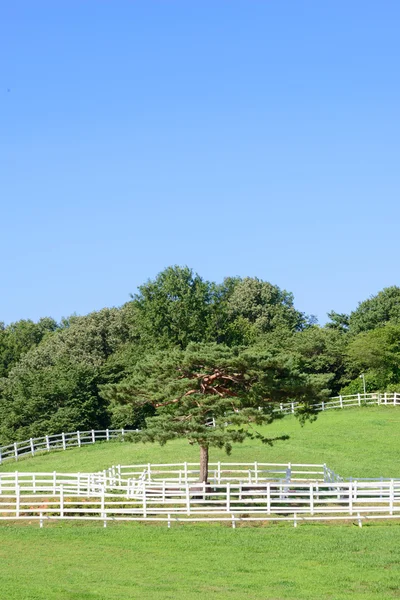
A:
184,349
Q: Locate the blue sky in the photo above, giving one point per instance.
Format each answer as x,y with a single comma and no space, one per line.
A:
250,137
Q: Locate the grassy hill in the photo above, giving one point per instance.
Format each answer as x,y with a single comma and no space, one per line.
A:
359,442
72,561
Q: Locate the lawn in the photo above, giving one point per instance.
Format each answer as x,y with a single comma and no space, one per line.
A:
73,561
79,562
359,442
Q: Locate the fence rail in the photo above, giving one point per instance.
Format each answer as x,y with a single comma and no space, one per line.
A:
392,399
63,441
254,472
268,501
131,477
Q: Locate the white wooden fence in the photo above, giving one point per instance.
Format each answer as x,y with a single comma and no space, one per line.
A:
169,492
392,399
58,441
233,502
254,472
63,441
128,478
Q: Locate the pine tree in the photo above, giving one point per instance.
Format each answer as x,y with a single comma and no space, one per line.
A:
214,396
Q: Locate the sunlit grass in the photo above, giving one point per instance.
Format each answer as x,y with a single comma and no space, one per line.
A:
359,442
129,561
86,562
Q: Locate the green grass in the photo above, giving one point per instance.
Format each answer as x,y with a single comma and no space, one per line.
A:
354,442
73,561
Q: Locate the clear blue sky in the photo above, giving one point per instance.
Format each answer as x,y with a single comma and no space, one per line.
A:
243,138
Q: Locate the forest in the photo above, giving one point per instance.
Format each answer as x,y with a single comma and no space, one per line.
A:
85,371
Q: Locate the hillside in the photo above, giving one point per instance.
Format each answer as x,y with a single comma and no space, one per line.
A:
359,442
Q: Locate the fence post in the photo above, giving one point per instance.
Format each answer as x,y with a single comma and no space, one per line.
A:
163,491
323,405
311,499
15,450
61,500
78,435
350,498
268,498
93,436
54,482
228,496
103,509
63,441
292,406
395,399
144,500
341,401
47,443
32,446
107,435
187,499
391,499
17,501
359,399
256,472
123,434
1,460
219,472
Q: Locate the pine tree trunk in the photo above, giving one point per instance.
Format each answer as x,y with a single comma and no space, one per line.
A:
203,464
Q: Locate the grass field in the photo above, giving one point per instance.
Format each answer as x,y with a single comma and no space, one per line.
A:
359,442
72,561
122,562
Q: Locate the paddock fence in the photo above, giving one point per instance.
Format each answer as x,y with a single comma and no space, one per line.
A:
229,502
130,478
63,441
219,472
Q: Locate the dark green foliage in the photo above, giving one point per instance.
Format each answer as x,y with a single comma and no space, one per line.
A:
378,353
18,338
54,387
263,305
179,307
174,308
338,321
376,311
236,388
61,398
323,352
55,377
